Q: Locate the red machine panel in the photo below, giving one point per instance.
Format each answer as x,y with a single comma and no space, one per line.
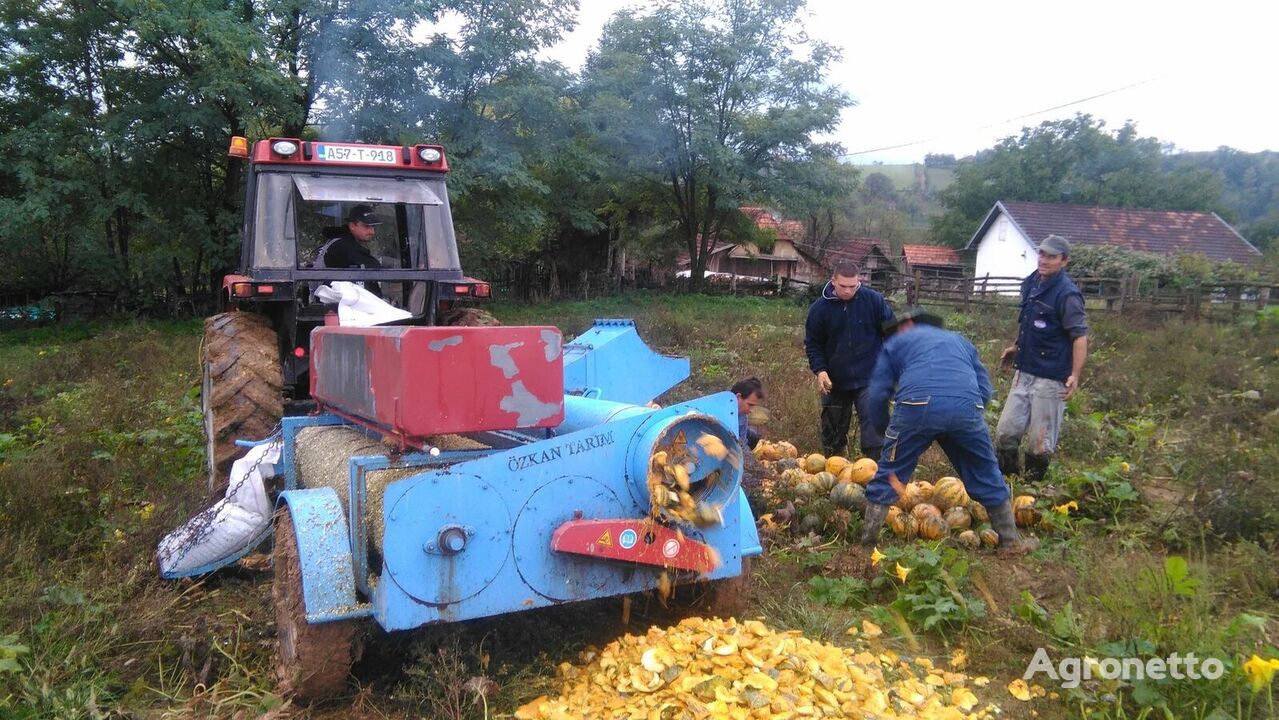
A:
418,381
638,541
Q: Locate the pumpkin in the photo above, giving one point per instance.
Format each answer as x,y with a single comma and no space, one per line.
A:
950,493
925,491
903,525
969,539
767,451
793,476
835,464
912,496
862,471
815,463
958,518
978,511
788,450
810,523
1024,510
849,496
989,537
824,481
923,511
933,527
806,489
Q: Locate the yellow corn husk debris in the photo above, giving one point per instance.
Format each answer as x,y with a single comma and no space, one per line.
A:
712,668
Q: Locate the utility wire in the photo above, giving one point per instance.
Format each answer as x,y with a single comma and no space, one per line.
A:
1012,119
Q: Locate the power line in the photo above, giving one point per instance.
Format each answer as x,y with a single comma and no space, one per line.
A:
1004,122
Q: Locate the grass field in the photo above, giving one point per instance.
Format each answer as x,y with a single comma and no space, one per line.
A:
101,454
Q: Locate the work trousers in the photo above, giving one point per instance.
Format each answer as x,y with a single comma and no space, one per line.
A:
958,426
1034,408
837,417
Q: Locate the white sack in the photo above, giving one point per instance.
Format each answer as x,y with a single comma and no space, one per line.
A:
229,525
358,307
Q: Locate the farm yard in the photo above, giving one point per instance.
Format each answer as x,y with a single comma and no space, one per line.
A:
1159,527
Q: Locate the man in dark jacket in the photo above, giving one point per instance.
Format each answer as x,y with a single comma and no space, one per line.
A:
1049,354
941,389
843,336
348,249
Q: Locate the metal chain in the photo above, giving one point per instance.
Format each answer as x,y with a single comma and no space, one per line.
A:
199,527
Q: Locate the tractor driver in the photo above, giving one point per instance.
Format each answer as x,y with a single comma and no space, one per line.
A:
350,248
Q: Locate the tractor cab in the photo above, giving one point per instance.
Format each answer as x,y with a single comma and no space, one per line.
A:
300,196
256,354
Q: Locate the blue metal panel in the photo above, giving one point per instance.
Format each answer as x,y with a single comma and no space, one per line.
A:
324,552
532,489
611,362
746,520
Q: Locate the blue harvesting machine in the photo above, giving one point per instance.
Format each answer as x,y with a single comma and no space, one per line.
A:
455,473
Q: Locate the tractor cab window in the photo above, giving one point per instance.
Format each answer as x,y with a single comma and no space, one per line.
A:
297,216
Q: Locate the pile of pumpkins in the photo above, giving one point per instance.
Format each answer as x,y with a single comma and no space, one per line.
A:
926,510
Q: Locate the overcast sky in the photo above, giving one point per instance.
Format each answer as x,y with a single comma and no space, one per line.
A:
955,77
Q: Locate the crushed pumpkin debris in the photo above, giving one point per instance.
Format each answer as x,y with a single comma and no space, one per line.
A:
712,668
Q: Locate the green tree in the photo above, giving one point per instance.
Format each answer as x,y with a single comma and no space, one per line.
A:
1074,161
708,106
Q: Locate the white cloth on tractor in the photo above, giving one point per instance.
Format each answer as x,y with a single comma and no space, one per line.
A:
358,307
229,525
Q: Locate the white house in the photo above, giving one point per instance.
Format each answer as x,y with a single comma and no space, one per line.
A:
1007,239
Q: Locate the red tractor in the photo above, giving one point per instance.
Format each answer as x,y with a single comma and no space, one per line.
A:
256,353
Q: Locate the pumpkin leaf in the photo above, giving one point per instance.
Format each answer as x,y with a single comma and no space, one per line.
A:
1177,570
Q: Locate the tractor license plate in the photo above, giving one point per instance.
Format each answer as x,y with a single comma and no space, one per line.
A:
354,154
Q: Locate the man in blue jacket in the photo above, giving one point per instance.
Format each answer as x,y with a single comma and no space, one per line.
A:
1049,354
941,390
843,336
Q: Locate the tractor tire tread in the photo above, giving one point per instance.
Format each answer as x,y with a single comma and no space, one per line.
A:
314,659
243,397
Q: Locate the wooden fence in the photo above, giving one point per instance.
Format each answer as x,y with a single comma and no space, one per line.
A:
1129,294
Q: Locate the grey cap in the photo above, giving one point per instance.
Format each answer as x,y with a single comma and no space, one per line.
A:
1055,245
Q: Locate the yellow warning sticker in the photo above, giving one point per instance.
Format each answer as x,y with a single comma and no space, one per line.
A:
606,539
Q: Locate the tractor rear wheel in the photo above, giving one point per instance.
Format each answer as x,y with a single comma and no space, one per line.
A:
242,386
314,659
468,317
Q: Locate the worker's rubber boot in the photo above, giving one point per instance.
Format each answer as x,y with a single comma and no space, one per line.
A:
872,523
1009,461
1037,467
873,452
1011,542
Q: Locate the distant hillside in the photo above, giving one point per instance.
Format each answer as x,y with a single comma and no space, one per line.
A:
917,184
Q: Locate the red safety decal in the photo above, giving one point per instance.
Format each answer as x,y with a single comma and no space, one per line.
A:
638,541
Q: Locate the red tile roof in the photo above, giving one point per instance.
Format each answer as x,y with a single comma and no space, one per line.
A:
855,250
1164,232
917,255
792,230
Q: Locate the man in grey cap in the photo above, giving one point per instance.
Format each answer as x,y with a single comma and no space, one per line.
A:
1049,354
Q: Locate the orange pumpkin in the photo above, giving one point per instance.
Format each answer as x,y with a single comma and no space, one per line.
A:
815,463
989,537
835,464
1024,510
923,511
913,495
933,527
862,471
978,511
969,539
958,518
950,493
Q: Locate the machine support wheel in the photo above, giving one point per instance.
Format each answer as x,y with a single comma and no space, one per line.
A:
242,386
314,659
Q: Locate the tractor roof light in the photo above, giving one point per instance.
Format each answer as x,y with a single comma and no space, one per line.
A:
239,147
482,290
284,147
430,154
